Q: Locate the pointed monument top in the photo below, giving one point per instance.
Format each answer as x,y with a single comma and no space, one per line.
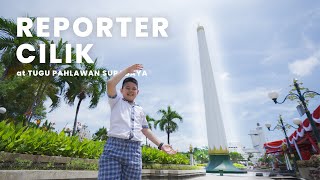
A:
200,27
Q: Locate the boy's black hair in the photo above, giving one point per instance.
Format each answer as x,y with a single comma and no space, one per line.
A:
130,79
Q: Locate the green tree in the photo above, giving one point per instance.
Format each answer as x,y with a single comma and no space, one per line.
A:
9,43
167,123
235,157
250,156
100,135
149,120
16,95
48,126
43,86
201,155
265,159
49,86
82,87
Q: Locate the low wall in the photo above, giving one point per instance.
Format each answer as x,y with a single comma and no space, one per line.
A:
11,157
16,161
8,174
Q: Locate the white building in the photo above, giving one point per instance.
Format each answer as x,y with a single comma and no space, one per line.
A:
258,139
245,152
256,155
236,147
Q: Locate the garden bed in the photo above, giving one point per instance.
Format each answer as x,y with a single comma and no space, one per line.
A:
16,161
36,141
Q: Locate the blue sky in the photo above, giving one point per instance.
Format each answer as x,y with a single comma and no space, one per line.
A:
255,47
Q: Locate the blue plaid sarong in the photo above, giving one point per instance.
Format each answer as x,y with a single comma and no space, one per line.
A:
120,160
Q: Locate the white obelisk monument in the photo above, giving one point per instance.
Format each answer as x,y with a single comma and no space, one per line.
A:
218,149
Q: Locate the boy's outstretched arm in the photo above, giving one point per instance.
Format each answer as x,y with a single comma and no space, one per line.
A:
112,83
165,147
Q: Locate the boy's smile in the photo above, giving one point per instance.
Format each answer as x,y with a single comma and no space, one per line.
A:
129,91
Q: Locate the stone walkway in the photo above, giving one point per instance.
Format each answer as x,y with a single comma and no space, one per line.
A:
248,176
156,174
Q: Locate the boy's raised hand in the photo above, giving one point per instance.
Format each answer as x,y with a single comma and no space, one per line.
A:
168,149
133,68
111,83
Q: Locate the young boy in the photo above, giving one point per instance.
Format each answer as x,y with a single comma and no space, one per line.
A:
121,158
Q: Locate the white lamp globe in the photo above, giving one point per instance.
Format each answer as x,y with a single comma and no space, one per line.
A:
268,125
297,121
273,95
2,110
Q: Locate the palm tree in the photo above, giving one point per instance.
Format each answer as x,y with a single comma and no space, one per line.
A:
48,86
100,135
149,120
166,123
9,43
81,87
43,86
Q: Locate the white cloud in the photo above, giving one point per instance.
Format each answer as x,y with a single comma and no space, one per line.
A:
225,76
304,67
259,95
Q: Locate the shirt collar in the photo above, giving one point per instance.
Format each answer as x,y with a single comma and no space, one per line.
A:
133,103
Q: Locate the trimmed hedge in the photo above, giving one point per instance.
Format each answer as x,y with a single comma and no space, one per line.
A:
29,140
153,155
36,141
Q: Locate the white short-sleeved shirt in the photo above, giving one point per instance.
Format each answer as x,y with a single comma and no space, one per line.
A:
126,120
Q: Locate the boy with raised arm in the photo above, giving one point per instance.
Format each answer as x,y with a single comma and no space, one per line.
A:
121,158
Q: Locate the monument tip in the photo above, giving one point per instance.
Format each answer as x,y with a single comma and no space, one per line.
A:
200,27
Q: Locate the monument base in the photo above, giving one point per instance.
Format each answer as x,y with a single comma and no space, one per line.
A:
221,162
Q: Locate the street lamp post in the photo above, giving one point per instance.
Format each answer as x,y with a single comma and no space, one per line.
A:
283,127
301,96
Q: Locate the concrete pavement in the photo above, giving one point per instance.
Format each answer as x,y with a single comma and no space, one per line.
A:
248,176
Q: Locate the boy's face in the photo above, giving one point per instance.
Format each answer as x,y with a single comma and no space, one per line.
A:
129,91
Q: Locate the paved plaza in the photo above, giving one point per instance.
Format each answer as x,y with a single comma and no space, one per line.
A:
247,176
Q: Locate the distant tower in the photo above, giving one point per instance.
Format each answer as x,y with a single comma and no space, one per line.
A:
218,149
258,139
